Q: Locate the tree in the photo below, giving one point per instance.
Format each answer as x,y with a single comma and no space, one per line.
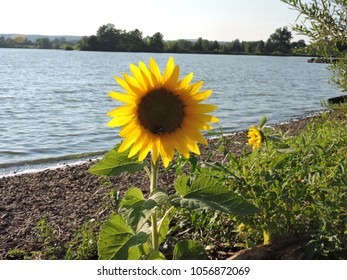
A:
206,45
43,43
198,45
83,44
214,46
108,37
247,47
260,49
20,40
59,43
325,22
298,46
94,43
179,46
280,40
156,42
133,41
236,46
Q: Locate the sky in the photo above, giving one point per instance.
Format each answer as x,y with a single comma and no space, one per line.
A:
221,20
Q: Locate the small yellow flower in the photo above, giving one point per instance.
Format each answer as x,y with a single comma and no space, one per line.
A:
241,227
255,137
161,113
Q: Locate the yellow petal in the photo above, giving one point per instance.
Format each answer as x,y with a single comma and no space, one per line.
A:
185,81
126,98
128,128
167,149
147,144
169,69
200,96
119,121
155,149
195,134
147,82
153,66
125,144
133,83
165,160
205,126
178,141
139,143
128,88
168,146
193,147
194,88
201,118
201,108
129,140
138,76
125,110
146,74
184,151
135,148
143,66
173,80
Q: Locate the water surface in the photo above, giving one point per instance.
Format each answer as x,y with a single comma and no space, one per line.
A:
53,103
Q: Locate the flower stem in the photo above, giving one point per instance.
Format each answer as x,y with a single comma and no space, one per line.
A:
155,233
154,175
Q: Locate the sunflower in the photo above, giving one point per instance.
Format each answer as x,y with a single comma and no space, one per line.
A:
161,113
255,137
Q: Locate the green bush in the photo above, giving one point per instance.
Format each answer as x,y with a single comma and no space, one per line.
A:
300,186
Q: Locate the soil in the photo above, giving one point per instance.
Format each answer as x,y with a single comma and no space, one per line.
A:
68,197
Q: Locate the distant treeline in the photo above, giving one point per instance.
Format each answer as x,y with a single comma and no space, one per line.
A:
108,38
40,43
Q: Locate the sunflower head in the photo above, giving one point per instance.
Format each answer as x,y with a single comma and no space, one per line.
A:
255,137
161,113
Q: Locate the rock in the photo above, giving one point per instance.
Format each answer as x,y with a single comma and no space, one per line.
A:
338,99
290,248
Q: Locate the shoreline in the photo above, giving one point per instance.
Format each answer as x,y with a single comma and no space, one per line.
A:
68,197
40,165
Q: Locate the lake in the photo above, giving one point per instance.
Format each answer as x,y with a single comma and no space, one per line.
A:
53,103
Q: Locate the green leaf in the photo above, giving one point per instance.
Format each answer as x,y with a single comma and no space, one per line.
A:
117,241
132,196
189,250
138,210
280,161
287,150
159,196
182,184
115,163
164,228
206,192
262,122
275,138
193,163
217,166
156,256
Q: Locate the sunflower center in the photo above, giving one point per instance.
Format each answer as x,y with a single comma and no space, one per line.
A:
161,112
